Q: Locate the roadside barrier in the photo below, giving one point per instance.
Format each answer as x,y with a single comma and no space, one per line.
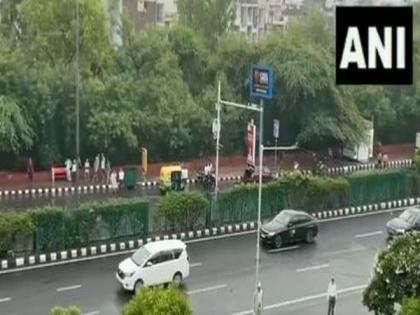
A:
85,189
111,249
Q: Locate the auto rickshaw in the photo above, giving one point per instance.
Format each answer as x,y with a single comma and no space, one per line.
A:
172,178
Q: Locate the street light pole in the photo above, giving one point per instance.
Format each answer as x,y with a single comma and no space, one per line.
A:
77,81
218,126
257,266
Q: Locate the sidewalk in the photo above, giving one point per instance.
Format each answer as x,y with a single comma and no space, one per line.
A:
228,166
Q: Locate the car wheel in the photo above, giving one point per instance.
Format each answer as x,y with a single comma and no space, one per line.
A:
278,241
309,238
177,280
138,286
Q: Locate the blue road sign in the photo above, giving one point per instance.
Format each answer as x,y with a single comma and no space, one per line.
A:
261,83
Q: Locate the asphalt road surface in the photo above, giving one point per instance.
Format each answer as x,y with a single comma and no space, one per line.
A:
71,200
222,278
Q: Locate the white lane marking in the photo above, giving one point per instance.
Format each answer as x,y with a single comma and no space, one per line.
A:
211,238
7,299
344,251
285,249
73,287
368,234
313,268
304,299
199,264
216,287
92,313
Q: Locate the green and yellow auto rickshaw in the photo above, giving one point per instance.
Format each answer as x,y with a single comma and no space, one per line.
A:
172,178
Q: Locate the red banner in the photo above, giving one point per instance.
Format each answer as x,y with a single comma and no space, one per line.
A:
250,143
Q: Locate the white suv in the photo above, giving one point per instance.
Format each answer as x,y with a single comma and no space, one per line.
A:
153,264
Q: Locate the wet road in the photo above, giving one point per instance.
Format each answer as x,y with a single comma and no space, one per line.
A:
222,279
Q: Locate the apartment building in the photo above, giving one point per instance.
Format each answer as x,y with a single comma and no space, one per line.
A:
146,13
255,17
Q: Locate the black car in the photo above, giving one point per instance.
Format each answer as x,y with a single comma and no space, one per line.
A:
407,222
289,226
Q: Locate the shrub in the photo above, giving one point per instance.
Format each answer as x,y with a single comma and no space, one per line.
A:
72,310
114,220
417,160
395,276
13,227
158,301
312,193
411,306
182,211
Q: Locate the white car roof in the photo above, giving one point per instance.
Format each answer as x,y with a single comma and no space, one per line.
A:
154,247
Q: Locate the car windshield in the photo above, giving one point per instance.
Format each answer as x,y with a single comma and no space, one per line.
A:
409,216
140,256
283,218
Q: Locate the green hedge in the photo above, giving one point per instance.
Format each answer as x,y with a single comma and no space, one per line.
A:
314,193
181,211
417,160
376,186
15,229
115,220
241,204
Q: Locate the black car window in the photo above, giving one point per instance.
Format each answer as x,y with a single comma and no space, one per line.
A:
283,218
177,253
161,257
409,216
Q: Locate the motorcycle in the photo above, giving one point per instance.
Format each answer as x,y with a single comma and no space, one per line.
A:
208,181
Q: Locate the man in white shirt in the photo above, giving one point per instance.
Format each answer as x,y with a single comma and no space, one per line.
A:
331,296
258,300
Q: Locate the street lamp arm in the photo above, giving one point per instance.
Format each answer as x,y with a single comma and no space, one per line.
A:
282,148
250,106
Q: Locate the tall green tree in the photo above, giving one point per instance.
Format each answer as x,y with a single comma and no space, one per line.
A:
212,18
395,276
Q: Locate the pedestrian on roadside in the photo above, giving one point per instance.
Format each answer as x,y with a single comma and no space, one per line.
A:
30,171
87,170
331,296
296,166
74,171
108,171
95,169
67,164
121,178
258,300
113,180
103,166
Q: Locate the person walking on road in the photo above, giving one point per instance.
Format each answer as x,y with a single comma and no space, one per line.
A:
108,171
67,163
87,170
103,166
331,296
30,171
258,300
74,171
95,169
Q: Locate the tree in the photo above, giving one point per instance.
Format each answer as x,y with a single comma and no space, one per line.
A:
157,301
72,310
395,276
49,31
410,306
15,131
212,18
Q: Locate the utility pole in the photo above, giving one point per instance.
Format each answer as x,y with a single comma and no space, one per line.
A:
218,126
77,97
261,146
